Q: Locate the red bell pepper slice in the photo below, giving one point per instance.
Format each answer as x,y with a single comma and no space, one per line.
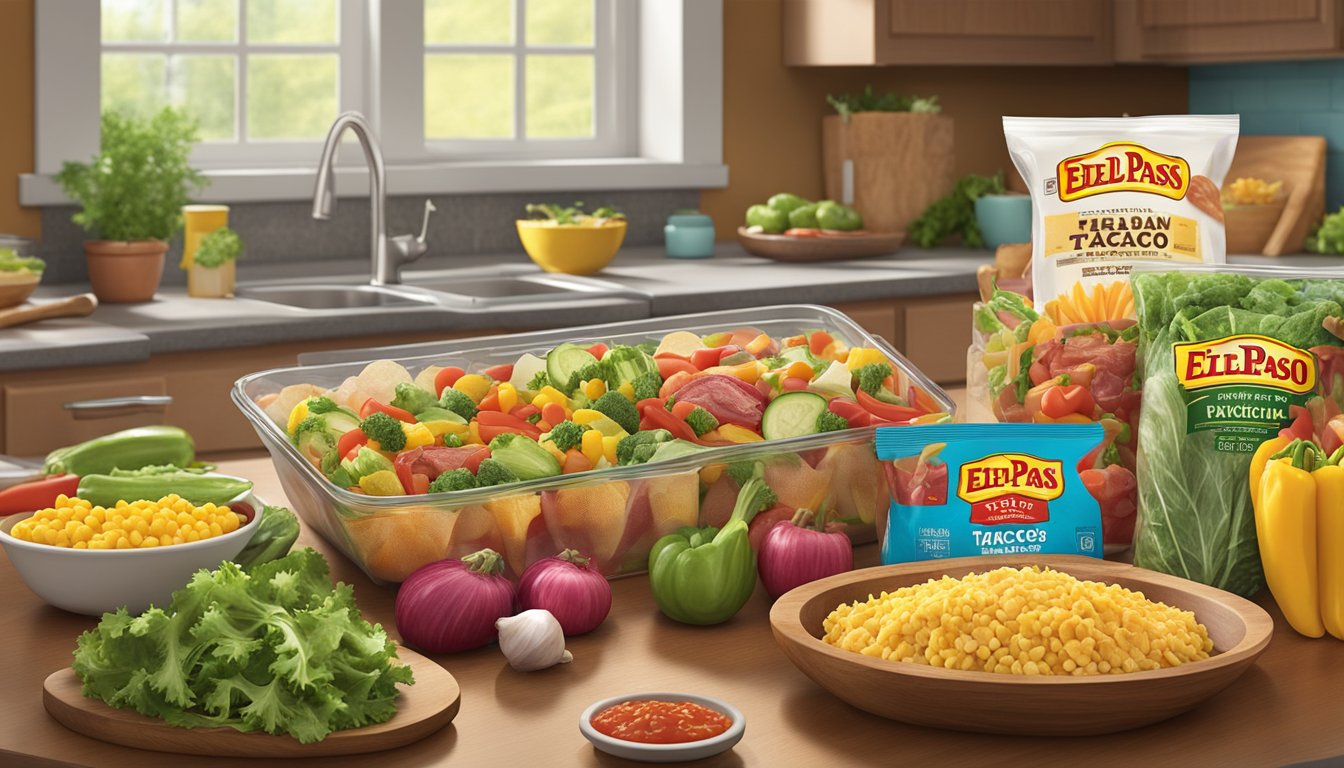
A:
1301,428
351,441
493,423
525,410
681,409
447,378
371,406
37,494
850,411
491,400
886,411
551,413
500,372
473,461
658,418
419,484
818,342
669,365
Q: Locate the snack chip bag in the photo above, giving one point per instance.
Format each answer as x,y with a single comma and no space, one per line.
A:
963,490
1110,192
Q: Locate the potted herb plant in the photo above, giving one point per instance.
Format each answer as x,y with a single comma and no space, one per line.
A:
211,273
131,196
887,155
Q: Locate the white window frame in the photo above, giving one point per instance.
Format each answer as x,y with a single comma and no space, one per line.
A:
672,137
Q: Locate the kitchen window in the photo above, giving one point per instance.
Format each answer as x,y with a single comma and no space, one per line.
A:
488,95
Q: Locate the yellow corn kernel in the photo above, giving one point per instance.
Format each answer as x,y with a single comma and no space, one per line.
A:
594,388
592,446
609,447
297,415
417,435
473,385
861,356
78,524
508,397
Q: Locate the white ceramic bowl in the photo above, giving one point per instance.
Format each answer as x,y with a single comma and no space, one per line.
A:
93,582
665,753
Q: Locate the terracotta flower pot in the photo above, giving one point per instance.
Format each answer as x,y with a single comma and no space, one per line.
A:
125,272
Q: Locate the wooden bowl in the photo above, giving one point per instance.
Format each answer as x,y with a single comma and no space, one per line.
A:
16,287
824,248
988,702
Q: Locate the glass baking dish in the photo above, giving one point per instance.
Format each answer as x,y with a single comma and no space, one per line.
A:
615,514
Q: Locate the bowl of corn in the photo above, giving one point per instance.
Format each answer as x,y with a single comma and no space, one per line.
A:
1049,645
89,559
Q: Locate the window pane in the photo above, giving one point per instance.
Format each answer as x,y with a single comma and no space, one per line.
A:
134,83
291,21
469,21
559,97
290,96
469,96
559,22
207,21
135,20
204,87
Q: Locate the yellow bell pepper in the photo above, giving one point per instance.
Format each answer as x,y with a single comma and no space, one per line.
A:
628,390
473,385
609,448
736,434
384,482
1285,524
861,356
1260,460
508,397
549,394
296,417
1330,543
591,446
418,435
441,427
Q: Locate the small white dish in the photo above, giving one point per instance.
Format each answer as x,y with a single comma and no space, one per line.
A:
93,582
665,753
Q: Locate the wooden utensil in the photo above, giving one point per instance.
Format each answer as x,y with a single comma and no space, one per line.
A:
830,248
988,702
75,306
422,709
1297,161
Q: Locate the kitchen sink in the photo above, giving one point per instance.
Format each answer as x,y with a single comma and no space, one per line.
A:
324,296
465,287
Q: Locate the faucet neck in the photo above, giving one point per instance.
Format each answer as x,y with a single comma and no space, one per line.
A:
384,272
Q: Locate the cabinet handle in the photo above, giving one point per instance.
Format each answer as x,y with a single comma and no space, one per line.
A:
118,406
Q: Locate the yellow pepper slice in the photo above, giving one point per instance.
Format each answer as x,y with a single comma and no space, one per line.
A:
738,434
384,482
418,435
473,385
296,416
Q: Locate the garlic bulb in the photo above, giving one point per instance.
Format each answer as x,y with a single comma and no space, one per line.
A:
532,640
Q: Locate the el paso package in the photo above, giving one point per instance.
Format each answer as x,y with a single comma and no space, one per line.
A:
961,490
1107,194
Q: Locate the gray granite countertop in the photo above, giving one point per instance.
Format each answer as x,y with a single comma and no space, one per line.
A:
654,286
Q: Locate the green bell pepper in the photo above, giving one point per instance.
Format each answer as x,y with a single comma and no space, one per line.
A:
705,575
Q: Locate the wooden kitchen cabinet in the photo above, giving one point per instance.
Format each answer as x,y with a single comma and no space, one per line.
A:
932,332
1006,32
1193,31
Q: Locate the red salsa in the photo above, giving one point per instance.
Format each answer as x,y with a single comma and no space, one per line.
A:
660,722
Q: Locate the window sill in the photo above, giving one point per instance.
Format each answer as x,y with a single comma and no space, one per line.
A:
241,186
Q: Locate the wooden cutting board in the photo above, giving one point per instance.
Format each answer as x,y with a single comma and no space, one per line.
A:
1298,161
422,709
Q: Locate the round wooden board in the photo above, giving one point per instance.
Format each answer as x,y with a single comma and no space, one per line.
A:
986,702
422,709
832,248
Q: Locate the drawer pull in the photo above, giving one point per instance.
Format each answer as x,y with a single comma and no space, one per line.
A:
118,406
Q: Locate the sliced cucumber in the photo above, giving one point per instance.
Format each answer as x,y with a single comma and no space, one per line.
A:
564,363
791,415
340,421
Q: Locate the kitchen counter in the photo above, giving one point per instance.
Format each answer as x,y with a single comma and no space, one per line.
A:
656,286
1283,710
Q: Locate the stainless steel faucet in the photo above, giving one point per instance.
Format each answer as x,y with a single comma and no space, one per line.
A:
386,265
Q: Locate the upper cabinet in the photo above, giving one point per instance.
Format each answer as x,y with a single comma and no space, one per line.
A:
1058,32
1191,31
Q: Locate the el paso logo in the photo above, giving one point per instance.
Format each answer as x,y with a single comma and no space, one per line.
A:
1123,166
1245,359
1015,474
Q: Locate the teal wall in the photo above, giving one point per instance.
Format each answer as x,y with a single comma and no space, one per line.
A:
1286,98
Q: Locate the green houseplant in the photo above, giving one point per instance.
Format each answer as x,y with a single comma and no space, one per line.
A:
211,273
131,196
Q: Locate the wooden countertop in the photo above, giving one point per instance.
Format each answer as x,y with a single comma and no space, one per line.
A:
1284,710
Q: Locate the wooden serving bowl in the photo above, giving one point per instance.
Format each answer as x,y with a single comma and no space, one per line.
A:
988,702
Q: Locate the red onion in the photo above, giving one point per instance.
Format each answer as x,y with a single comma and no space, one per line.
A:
793,554
452,605
570,588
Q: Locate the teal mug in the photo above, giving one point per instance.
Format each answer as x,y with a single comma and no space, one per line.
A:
1004,218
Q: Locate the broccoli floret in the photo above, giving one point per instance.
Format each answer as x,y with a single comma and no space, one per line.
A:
640,447
741,471
829,421
871,377
594,370
669,402
566,434
524,457
458,402
313,423
775,363
539,380
453,480
491,472
384,429
647,385
754,495
413,399
614,406
451,440
321,405
701,421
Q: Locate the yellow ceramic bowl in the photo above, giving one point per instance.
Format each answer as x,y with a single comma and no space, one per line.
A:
581,249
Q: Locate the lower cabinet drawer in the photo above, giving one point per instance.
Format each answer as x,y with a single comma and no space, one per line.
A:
936,336
43,417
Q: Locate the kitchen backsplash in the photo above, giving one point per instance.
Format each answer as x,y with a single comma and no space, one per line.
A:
286,231
1281,98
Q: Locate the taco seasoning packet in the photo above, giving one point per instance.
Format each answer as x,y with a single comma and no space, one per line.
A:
1108,193
963,490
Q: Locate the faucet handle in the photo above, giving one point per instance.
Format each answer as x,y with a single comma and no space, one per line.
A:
424,223
412,247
